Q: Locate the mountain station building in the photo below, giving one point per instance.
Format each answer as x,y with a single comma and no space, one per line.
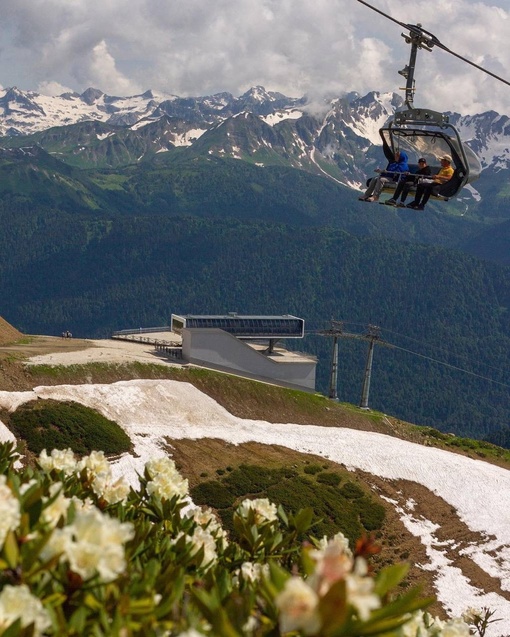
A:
247,345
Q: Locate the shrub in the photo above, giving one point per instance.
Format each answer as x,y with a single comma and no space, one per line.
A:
255,478
351,491
372,514
212,493
48,424
312,469
328,477
154,567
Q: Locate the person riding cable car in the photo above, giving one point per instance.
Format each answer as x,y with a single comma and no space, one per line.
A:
407,182
393,172
426,186
428,134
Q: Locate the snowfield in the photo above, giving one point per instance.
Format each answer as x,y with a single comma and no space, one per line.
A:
152,410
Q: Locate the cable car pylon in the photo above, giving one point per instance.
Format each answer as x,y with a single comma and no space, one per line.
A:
373,335
336,331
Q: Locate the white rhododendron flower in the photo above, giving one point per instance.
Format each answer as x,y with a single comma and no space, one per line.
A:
9,510
298,606
253,572
415,627
83,505
58,508
360,590
201,538
17,602
471,615
95,462
338,540
333,563
265,511
93,543
60,460
166,482
455,628
206,519
110,489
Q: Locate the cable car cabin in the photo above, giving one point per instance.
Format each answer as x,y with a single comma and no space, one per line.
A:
428,134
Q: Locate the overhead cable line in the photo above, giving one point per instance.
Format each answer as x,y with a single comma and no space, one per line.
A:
443,351
433,41
459,369
403,349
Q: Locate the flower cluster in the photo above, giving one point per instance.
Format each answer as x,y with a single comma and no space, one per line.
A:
9,510
92,544
18,603
80,554
332,563
95,468
264,510
423,625
165,481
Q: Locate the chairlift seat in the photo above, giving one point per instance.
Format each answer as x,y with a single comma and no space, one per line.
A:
423,133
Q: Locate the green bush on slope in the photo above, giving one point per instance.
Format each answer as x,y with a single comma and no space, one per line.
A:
49,424
336,507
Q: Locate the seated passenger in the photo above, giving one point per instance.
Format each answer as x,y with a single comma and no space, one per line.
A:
423,191
391,173
406,183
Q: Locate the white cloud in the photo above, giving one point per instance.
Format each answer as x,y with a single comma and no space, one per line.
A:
193,47
51,88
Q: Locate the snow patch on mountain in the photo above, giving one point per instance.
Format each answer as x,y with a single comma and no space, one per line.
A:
280,116
155,411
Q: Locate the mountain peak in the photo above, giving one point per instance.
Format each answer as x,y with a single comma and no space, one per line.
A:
91,95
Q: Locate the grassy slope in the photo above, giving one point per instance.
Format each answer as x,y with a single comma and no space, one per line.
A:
204,459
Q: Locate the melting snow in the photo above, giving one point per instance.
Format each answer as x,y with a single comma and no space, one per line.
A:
151,411
276,118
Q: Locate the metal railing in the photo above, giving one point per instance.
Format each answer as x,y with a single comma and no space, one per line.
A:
142,330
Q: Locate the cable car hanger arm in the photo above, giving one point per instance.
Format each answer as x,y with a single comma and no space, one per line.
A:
430,40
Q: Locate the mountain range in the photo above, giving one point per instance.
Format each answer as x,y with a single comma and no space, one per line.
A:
334,138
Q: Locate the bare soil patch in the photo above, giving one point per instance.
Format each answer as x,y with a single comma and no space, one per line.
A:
198,460
8,333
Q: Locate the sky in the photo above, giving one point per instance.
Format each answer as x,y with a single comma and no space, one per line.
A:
153,412
298,47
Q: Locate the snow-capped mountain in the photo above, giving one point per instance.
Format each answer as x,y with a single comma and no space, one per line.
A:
337,138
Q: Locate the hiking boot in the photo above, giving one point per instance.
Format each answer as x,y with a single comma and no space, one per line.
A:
412,205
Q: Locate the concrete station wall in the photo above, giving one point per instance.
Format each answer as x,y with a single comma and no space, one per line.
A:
220,350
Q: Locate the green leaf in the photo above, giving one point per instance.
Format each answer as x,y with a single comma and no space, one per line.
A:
11,550
303,520
333,608
390,577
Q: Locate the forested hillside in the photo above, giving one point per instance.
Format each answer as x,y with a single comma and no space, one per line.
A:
35,185
93,275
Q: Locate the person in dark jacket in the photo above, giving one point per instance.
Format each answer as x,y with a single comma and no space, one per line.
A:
391,173
406,183
424,190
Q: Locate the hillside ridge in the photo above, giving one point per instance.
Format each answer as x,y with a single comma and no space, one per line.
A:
94,362
8,333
